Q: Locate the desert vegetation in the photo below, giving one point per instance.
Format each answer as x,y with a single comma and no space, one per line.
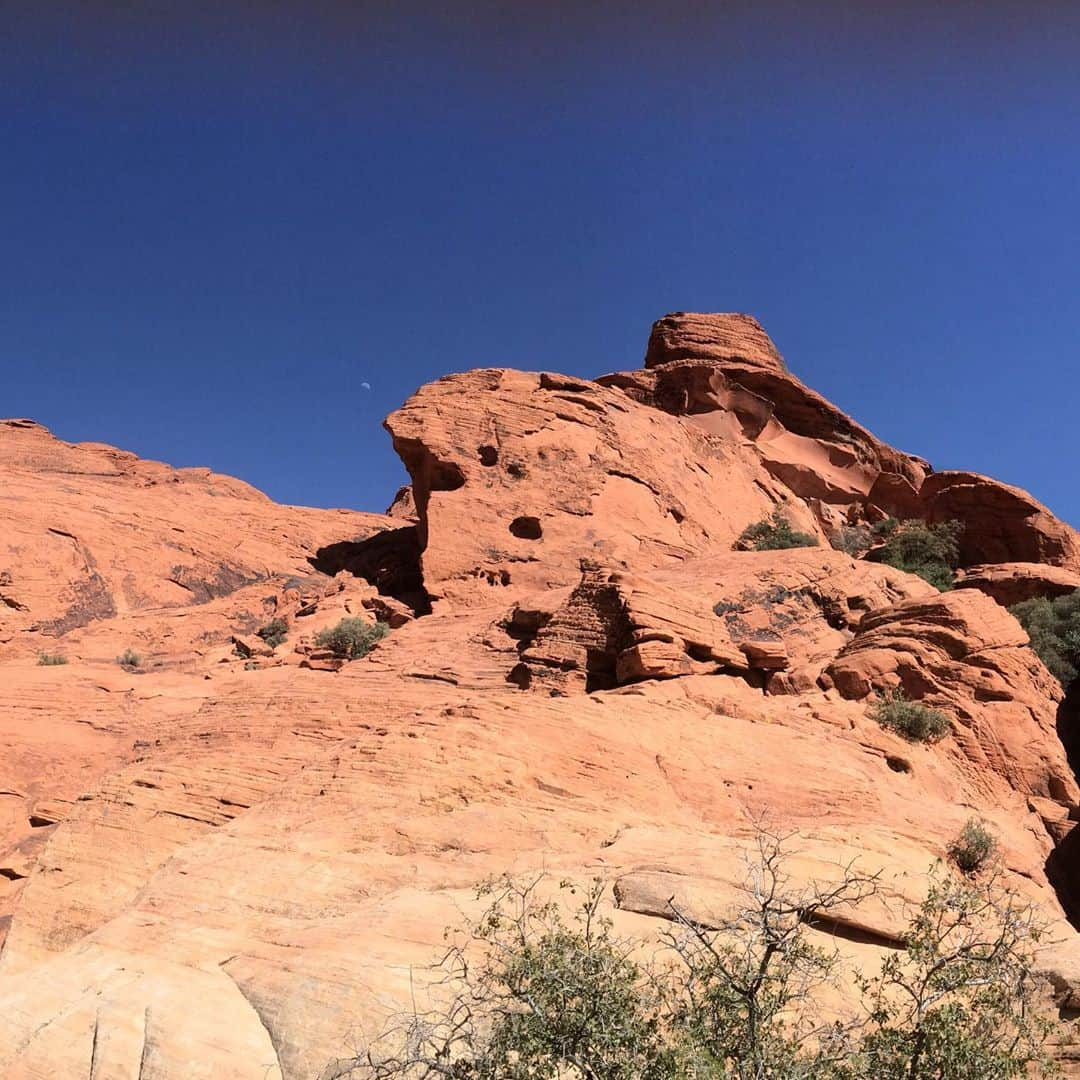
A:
526,990
974,847
931,551
1053,625
774,533
129,658
915,722
47,659
352,638
274,632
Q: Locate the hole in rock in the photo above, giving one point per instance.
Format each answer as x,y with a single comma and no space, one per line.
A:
898,764
488,456
389,560
600,670
520,676
445,476
526,528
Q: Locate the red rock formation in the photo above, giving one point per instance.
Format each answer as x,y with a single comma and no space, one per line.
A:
687,336
1009,583
1002,523
519,476
219,865
724,374
964,653
95,533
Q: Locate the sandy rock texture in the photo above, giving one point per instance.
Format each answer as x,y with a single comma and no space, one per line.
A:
232,859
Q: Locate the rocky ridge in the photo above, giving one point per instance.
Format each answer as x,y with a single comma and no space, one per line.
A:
223,861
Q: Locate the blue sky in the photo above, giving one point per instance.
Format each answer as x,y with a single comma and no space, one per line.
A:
221,221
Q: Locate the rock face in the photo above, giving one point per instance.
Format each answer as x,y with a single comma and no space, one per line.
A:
965,653
1010,583
1003,523
518,476
227,858
732,337
92,533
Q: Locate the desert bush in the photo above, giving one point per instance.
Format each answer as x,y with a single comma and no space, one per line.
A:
352,638
531,994
129,658
775,534
853,540
931,551
958,1002
973,847
915,722
51,659
274,632
1053,625
525,992
882,530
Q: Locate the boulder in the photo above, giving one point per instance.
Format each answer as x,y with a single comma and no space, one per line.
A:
1010,583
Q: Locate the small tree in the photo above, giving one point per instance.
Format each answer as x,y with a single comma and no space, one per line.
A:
352,638
931,551
745,996
958,1002
774,534
915,722
274,632
530,995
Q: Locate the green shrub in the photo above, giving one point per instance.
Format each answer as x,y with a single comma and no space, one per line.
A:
45,659
775,534
973,847
525,992
915,722
883,529
931,551
1054,629
129,658
274,632
352,637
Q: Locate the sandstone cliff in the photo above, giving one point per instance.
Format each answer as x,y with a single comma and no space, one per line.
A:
221,862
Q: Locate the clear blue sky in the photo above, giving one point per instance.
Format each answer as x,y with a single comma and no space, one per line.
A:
219,221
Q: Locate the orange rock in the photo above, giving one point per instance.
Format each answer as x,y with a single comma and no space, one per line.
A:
684,335
519,476
231,876
963,652
1002,523
1009,583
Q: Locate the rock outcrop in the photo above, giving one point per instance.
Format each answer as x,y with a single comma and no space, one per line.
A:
229,858
518,476
1009,583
